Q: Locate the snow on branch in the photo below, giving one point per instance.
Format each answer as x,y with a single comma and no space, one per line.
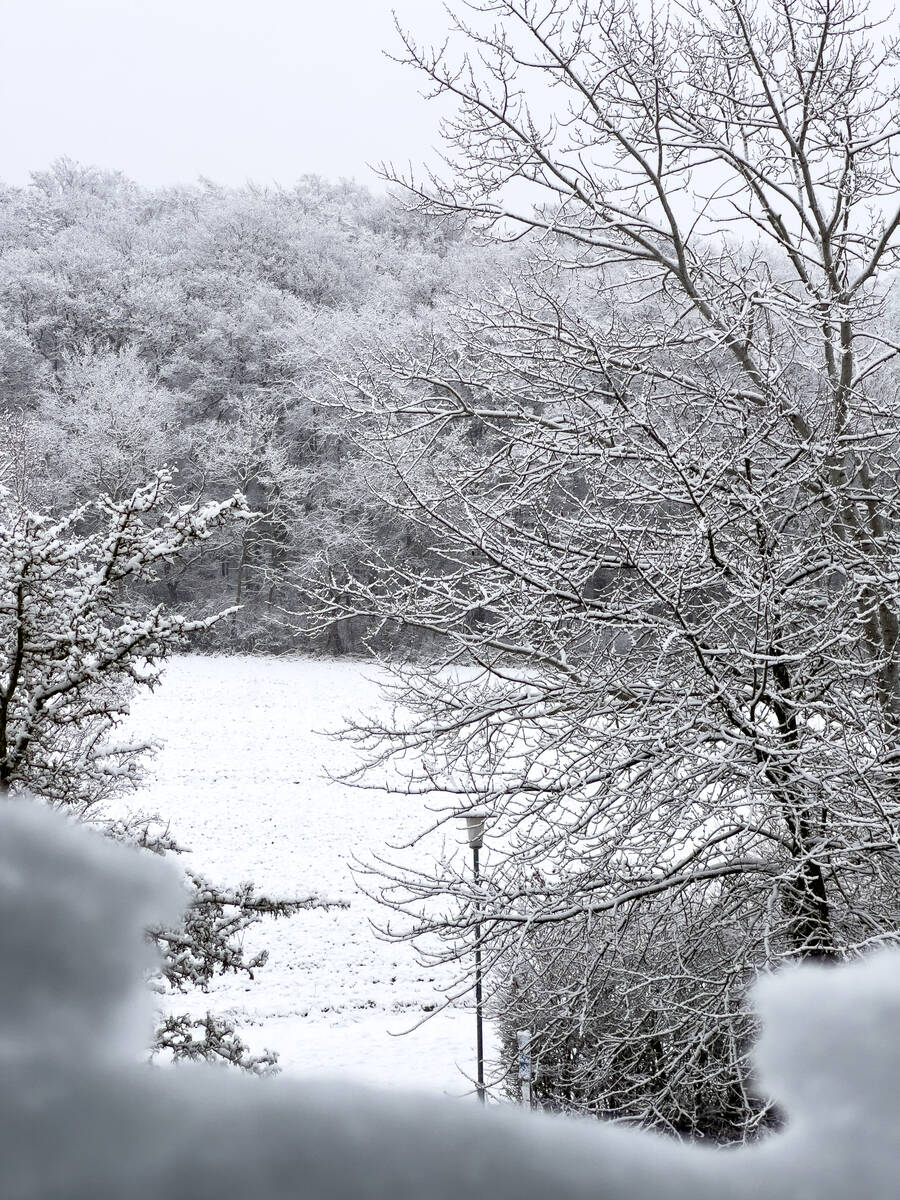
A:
75,637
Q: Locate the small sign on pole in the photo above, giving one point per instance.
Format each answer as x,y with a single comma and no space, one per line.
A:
523,1042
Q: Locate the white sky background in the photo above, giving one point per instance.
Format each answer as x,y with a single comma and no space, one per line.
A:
234,90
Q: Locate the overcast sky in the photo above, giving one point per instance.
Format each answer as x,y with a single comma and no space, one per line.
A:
168,90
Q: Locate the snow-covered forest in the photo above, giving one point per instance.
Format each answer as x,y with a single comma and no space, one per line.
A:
211,330
576,461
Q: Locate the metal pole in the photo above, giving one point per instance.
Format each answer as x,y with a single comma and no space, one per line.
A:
523,1045
479,1036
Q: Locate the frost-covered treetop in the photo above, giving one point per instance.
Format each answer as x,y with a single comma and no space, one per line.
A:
81,1119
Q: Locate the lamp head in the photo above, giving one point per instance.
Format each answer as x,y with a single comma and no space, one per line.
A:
475,822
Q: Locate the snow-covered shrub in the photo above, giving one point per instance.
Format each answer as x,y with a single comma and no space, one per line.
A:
618,1033
76,640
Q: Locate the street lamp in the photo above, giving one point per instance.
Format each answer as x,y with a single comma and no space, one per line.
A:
475,822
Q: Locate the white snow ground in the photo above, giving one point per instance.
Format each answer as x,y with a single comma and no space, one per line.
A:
241,777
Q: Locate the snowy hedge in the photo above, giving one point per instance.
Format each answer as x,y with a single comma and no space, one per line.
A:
82,1118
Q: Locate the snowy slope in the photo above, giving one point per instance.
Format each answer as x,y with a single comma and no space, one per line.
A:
241,777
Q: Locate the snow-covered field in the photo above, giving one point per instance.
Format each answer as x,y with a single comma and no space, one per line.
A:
241,777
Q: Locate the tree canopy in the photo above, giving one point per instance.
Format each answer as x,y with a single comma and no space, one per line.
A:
658,479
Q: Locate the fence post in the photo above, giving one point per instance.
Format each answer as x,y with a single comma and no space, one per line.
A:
523,1042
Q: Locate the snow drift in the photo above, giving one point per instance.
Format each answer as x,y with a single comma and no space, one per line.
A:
82,1118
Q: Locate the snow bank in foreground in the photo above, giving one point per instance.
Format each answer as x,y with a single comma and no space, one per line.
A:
80,1120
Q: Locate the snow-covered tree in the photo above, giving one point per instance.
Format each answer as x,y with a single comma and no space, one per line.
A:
107,426
660,484
76,640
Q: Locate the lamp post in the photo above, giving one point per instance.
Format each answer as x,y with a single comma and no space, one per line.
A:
475,820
